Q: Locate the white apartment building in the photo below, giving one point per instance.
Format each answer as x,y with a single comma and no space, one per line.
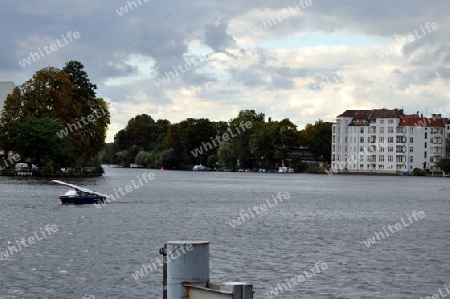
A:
386,141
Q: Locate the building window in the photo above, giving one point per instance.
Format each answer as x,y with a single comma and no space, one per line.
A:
431,159
381,121
390,121
381,139
425,135
411,149
361,130
425,155
410,159
382,130
381,149
361,139
425,145
411,139
390,148
380,166
390,139
411,130
390,158
381,158
390,130
345,140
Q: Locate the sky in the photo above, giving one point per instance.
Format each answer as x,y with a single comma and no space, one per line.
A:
304,60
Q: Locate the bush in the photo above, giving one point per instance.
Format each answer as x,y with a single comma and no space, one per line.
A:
299,166
315,169
419,172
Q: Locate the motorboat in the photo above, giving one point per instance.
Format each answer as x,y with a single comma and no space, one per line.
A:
79,195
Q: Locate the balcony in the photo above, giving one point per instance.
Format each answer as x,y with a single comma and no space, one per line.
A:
401,131
400,139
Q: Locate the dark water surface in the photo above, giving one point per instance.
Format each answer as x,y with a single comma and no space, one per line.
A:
95,251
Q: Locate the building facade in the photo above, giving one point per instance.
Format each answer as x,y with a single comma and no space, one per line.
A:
5,89
386,141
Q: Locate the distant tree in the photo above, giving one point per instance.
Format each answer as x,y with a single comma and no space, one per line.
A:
317,138
241,143
195,134
124,158
227,154
139,131
120,141
109,154
444,164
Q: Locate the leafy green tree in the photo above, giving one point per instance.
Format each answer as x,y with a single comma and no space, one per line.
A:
139,131
227,154
109,154
124,158
63,96
120,141
195,134
89,139
36,138
444,164
317,138
241,144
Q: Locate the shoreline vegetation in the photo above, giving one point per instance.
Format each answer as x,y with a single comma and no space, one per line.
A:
63,172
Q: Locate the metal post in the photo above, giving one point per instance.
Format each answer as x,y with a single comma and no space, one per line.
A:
163,251
186,261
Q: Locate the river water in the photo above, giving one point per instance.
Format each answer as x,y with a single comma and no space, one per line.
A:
92,253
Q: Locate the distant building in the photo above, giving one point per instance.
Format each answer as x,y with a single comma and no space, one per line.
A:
5,89
387,141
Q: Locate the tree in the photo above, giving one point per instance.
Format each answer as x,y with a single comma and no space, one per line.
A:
139,131
241,143
66,96
36,138
109,156
48,94
317,138
196,133
90,138
444,164
227,154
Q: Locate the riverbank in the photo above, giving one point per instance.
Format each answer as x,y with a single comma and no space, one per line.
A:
63,172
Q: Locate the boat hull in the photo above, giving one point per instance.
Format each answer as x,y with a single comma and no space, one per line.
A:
81,200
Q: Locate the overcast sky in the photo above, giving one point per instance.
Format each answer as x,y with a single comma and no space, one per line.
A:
289,59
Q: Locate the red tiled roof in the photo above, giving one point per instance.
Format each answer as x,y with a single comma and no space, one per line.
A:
375,113
421,122
353,113
362,117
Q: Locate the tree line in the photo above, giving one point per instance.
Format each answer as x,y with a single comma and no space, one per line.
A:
246,141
